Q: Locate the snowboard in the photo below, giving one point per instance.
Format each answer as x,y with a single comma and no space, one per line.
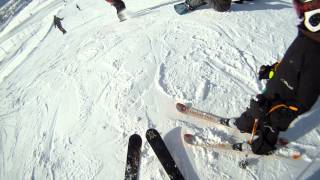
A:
281,152
184,8
163,154
133,157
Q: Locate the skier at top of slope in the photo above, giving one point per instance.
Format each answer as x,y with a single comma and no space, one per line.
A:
120,7
293,84
57,23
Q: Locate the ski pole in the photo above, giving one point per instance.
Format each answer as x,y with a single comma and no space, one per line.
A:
254,131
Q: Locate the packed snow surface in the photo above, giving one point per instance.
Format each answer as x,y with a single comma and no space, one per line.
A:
69,103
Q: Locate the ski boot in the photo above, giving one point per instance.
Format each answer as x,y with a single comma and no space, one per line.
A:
122,15
193,4
241,146
121,9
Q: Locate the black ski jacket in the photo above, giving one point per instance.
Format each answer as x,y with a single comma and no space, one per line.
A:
292,90
297,78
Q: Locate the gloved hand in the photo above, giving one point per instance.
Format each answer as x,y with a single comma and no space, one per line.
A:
259,109
266,71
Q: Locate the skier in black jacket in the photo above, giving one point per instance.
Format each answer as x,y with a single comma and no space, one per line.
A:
57,23
293,86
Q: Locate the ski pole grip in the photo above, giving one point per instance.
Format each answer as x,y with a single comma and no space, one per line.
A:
254,131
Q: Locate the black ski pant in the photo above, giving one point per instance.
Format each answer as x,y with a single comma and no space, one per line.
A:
267,136
62,29
118,4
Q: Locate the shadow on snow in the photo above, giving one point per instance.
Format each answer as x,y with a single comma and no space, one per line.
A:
179,153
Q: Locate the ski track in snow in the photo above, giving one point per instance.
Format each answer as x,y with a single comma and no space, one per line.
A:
208,63
69,103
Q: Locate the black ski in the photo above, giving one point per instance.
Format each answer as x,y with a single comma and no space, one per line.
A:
163,154
133,157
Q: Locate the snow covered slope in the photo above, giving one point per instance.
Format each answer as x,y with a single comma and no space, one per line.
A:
68,103
8,9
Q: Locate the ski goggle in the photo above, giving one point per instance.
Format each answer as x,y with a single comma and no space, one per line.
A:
312,20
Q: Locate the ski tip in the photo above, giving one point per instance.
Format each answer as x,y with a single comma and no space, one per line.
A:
181,107
188,138
135,138
152,133
296,156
